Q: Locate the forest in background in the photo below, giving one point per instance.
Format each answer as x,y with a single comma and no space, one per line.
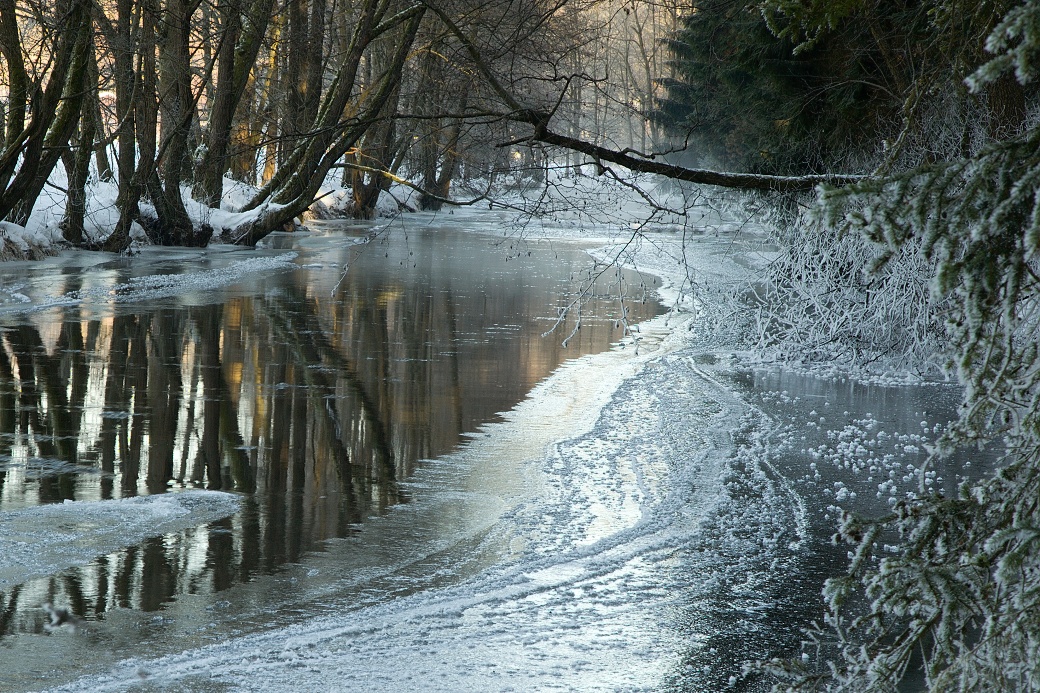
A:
896,145
289,96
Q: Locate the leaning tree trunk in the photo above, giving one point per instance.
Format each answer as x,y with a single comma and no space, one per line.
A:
78,167
241,39
209,185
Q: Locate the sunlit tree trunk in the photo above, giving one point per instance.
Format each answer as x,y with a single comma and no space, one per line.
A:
241,37
17,87
340,123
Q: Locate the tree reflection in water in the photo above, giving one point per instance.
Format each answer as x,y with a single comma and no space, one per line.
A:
311,402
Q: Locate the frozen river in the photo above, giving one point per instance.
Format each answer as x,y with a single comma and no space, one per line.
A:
340,466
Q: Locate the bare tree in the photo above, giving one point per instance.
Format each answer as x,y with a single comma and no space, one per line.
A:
31,151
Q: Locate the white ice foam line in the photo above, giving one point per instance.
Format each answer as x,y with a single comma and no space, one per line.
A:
79,531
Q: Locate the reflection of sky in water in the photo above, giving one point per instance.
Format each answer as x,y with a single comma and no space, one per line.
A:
313,392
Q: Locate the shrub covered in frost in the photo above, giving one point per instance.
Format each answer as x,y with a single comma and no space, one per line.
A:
833,296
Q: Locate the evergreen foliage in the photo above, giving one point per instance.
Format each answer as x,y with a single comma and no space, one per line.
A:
738,91
764,97
964,591
949,232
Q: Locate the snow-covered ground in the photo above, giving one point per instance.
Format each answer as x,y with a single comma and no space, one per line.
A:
42,231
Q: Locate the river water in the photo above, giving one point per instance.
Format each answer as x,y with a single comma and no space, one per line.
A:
365,466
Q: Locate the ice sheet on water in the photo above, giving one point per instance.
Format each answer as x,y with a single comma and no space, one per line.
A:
103,286
44,539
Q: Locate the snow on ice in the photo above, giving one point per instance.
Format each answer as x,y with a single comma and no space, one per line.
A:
42,540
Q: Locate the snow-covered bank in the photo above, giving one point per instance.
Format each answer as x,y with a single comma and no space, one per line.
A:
42,236
79,531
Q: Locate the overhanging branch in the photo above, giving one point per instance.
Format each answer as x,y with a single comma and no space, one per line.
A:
539,120
743,181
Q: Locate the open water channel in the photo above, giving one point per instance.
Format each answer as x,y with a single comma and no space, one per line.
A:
337,465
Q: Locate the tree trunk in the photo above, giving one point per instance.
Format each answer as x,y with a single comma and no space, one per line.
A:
329,143
291,118
240,45
437,183
1007,107
18,82
177,105
100,147
315,63
78,167
55,118
121,38
209,183
379,151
